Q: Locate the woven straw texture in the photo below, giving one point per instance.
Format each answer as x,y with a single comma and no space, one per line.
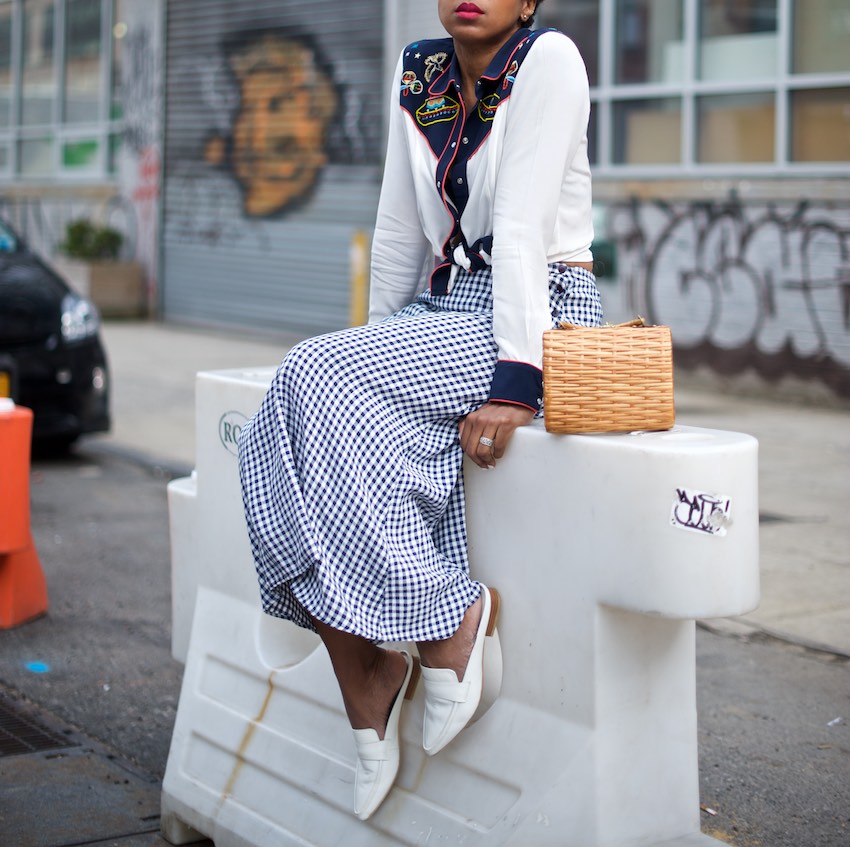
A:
608,379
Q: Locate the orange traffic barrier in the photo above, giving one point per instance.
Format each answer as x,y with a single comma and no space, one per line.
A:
23,588
15,437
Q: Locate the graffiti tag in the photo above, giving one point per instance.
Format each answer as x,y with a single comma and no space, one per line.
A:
757,286
700,512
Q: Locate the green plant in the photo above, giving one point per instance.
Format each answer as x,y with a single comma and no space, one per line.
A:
84,240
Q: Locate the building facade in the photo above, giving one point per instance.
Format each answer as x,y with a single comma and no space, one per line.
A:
81,121
720,144
238,144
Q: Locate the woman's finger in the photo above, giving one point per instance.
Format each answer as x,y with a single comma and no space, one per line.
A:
486,448
471,433
494,423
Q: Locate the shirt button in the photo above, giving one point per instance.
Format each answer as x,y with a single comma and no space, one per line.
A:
465,140
459,181
454,144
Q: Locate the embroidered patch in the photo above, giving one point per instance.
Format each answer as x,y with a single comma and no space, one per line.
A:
409,83
487,106
434,65
510,77
437,110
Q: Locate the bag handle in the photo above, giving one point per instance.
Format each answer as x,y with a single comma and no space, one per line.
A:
634,322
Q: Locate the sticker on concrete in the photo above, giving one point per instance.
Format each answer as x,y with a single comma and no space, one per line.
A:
701,512
229,426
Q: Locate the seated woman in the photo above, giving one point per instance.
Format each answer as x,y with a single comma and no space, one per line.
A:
351,468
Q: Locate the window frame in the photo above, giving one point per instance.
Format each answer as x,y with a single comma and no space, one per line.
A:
607,94
100,130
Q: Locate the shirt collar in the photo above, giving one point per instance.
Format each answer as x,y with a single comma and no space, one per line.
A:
497,68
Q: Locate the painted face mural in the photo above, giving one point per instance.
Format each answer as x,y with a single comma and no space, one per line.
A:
287,101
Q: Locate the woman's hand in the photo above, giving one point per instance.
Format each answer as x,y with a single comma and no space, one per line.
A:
494,422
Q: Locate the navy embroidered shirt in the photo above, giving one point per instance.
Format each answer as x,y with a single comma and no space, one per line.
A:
504,184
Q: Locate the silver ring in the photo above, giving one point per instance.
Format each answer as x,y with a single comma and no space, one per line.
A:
487,442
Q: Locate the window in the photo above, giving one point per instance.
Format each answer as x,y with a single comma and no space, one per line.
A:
692,87
38,77
647,132
736,128
821,34
119,33
5,64
580,20
57,118
648,41
737,39
5,84
82,61
821,125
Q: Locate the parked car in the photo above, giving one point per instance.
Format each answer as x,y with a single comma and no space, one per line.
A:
51,356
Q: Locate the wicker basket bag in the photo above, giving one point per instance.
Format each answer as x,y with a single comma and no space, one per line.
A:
608,379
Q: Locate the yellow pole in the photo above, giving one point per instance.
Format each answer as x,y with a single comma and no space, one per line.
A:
359,263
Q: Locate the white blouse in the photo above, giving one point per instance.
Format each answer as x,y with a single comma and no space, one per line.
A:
507,185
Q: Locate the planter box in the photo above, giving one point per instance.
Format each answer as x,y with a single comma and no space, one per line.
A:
116,288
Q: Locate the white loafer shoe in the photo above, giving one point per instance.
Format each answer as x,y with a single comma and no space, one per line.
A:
377,760
449,704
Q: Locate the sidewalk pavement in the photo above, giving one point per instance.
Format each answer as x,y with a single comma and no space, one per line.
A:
96,672
804,457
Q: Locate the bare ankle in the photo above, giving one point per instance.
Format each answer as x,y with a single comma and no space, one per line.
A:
453,653
368,702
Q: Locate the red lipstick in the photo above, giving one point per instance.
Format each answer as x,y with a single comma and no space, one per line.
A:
468,11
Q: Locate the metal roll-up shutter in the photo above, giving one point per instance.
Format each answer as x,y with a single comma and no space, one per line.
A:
406,22
273,147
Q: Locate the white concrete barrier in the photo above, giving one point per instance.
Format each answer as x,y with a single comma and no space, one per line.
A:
605,549
209,541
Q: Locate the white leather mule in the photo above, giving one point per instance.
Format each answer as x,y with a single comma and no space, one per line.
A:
377,760
449,704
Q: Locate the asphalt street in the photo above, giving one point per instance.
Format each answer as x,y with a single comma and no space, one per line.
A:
773,737
96,675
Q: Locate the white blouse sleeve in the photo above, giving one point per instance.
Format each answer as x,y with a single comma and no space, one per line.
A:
399,245
545,133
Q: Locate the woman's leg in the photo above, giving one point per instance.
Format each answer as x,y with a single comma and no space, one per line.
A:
453,653
369,677
371,680
354,455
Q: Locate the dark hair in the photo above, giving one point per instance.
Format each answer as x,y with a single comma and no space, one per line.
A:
530,21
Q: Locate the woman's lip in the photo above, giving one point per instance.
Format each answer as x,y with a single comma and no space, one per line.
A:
469,9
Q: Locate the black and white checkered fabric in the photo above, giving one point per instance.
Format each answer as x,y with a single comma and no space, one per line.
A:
351,468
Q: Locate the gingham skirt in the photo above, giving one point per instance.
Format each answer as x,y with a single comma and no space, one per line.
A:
351,467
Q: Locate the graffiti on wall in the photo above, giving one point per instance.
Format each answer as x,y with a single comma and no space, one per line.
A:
287,105
138,86
744,287
137,81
